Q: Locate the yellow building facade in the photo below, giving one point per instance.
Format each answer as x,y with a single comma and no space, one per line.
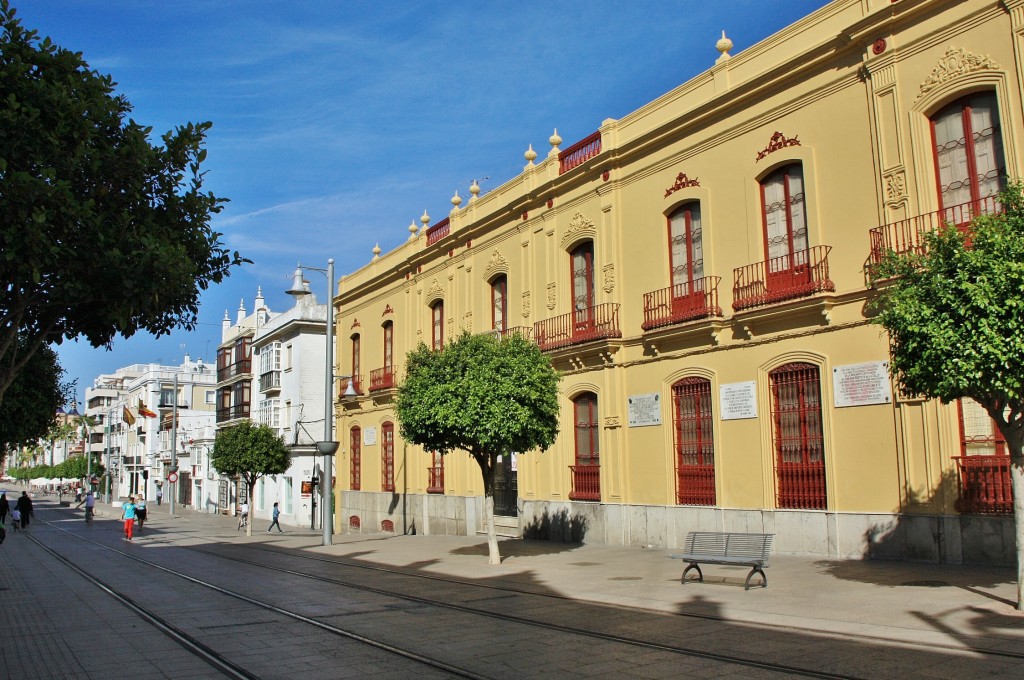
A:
699,272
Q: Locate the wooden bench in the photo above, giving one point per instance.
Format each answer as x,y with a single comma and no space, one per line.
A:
722,547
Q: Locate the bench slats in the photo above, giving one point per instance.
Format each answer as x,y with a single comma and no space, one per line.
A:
722,547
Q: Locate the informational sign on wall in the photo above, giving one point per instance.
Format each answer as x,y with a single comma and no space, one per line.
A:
645,410
738,400
862,384
369,436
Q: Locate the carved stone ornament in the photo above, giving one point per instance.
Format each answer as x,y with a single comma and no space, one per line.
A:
435,290
551,295
894,185
612,421
526,304
682,182
388,309
778,141
497,261
609,278
953,64
579,222
355,323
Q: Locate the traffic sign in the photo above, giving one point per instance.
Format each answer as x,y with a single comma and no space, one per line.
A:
172,477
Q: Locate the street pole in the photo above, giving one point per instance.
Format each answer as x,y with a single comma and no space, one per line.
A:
328,469
174,443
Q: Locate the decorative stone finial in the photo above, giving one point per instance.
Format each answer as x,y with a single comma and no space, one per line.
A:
474,189
456,200
376,251
723,46
554,140
425,219
530,156
412,230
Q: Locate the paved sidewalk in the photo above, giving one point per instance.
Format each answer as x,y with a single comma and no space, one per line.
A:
966,608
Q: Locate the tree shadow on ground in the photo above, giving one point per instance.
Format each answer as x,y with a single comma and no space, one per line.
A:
557,526
517,547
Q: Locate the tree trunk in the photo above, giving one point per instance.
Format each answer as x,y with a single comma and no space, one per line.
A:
487,464
1017,484
248,498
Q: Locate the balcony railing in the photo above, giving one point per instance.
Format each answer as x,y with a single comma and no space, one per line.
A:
270,380
237,368
382,379
436,474
357,386
907,236
984,485
782,278
695,485
233,412
586,482
583,325
579,153
525,331
438,231
682,302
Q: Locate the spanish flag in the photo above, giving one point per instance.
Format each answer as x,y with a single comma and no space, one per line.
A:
127,417
145,412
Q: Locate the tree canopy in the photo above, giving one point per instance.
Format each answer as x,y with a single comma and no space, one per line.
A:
250,451
955,318
33,399
484,395
101,232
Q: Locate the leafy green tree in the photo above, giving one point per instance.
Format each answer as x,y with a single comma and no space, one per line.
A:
483,395
250,451
78,467
32,400
80,183
955,319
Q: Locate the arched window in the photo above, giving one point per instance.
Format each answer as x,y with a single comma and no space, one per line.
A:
389,345
436,473
799,438
694,442
355,448
785,226
969,161
499,303
582,258
586,473
387,466
355,363
686,249
437,324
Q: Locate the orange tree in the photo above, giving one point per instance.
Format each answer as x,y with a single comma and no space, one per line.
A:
249,451
484,395
955,319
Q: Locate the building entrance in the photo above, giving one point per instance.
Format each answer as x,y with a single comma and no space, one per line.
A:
506,487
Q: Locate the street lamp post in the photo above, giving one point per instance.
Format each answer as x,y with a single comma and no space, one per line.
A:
174,444
328,446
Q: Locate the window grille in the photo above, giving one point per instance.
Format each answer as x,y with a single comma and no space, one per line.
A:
694,442
799,438
388,457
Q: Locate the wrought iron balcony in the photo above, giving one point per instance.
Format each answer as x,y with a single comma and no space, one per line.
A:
579,153
436,483
438,231
782,278
584,325
695,484
907,236
682,302
382,379
586,482
985,486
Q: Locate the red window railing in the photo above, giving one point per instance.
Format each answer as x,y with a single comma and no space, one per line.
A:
682,302
357,386
436,481
586,482
382,379
985,486
525,331
801,485
907,236
579,153
438,231
782,278
695,485
583,325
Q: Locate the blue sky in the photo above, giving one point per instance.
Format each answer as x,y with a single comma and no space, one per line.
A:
336,124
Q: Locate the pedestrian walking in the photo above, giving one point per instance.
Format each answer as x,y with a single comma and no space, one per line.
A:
243,516
5,508
128,515
16,520
90,505
140,510
277,513
24,506
159,496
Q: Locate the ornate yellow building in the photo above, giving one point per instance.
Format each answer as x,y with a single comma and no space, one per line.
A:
699,271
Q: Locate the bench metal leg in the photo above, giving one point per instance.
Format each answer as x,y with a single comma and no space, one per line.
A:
756,570
692,565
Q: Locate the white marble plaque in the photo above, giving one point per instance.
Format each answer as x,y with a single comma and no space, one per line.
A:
645,410
861,384
369,436
738,400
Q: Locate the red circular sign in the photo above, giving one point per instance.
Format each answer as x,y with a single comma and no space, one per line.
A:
172,477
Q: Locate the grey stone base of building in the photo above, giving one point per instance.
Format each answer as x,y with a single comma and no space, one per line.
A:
949,539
